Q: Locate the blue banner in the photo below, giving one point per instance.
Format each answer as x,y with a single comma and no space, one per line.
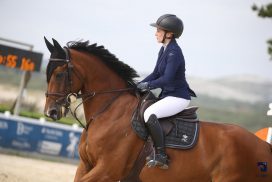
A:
31,135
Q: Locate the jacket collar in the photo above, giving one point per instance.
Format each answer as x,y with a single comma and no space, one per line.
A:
169,46
172,43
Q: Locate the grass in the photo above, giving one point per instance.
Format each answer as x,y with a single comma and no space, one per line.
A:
35,115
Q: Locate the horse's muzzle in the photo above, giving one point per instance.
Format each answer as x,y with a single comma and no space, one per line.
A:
53,113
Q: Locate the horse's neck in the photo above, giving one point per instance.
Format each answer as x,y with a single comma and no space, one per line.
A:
99,78
112,126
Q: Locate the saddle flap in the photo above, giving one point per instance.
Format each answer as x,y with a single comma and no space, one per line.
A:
166,127
146,100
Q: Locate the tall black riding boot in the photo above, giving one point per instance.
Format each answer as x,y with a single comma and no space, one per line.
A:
155,130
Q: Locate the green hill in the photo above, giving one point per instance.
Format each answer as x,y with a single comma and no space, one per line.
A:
248,115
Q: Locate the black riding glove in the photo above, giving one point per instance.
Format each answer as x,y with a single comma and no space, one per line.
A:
142,86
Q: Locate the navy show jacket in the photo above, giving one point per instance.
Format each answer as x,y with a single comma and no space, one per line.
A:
169,73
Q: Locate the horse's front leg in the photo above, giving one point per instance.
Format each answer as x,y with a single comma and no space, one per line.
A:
84,164
82,170
98,173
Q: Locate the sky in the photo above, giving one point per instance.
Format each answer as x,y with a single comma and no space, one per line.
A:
221,37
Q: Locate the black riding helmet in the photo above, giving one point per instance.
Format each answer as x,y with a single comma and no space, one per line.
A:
170,23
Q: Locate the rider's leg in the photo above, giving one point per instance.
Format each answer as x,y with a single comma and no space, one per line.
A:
156,133
163,108
166,107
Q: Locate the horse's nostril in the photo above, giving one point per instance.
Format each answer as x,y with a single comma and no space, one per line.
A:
53,113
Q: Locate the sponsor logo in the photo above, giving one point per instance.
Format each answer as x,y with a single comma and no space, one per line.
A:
71,148
47,147
185,138
262,166
54,132
20,144
51,134
23,129
3,125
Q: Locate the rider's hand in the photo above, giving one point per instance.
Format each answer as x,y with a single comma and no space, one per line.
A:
142,86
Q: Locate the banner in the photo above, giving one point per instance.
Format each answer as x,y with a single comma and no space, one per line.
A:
44,138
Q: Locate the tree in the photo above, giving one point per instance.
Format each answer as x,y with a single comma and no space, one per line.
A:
265,12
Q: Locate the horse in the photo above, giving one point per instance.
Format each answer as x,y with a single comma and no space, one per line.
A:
108,146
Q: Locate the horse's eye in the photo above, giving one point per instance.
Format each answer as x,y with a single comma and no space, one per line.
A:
59,75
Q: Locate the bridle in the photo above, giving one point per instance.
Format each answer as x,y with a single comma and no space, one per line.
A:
64,99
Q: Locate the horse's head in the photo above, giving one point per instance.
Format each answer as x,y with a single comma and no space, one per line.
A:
62,84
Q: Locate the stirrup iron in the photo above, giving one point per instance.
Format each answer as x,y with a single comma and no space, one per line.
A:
154,163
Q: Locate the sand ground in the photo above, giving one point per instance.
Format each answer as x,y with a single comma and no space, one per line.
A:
20,169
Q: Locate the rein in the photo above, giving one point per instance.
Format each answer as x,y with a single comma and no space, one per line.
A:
63,99
88,96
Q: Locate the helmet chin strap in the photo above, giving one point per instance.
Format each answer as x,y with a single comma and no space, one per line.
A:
164,37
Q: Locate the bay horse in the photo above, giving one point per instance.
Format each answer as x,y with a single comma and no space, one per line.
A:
109,147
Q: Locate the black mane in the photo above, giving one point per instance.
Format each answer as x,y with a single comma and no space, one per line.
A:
122,69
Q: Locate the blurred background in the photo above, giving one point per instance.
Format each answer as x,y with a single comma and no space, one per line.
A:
224,43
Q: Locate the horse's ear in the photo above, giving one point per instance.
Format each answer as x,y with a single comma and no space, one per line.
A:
57,45
49,46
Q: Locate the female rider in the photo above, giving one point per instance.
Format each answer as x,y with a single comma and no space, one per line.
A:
169,75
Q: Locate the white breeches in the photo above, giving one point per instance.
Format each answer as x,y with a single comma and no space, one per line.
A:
166,107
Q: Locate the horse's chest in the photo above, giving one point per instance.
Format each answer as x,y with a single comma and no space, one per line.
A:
97,141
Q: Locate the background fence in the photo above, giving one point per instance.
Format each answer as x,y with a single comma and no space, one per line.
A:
39,136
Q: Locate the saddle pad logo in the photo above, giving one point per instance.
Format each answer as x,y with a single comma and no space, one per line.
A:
262,166
184,138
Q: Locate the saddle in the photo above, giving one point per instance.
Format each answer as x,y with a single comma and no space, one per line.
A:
180,130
